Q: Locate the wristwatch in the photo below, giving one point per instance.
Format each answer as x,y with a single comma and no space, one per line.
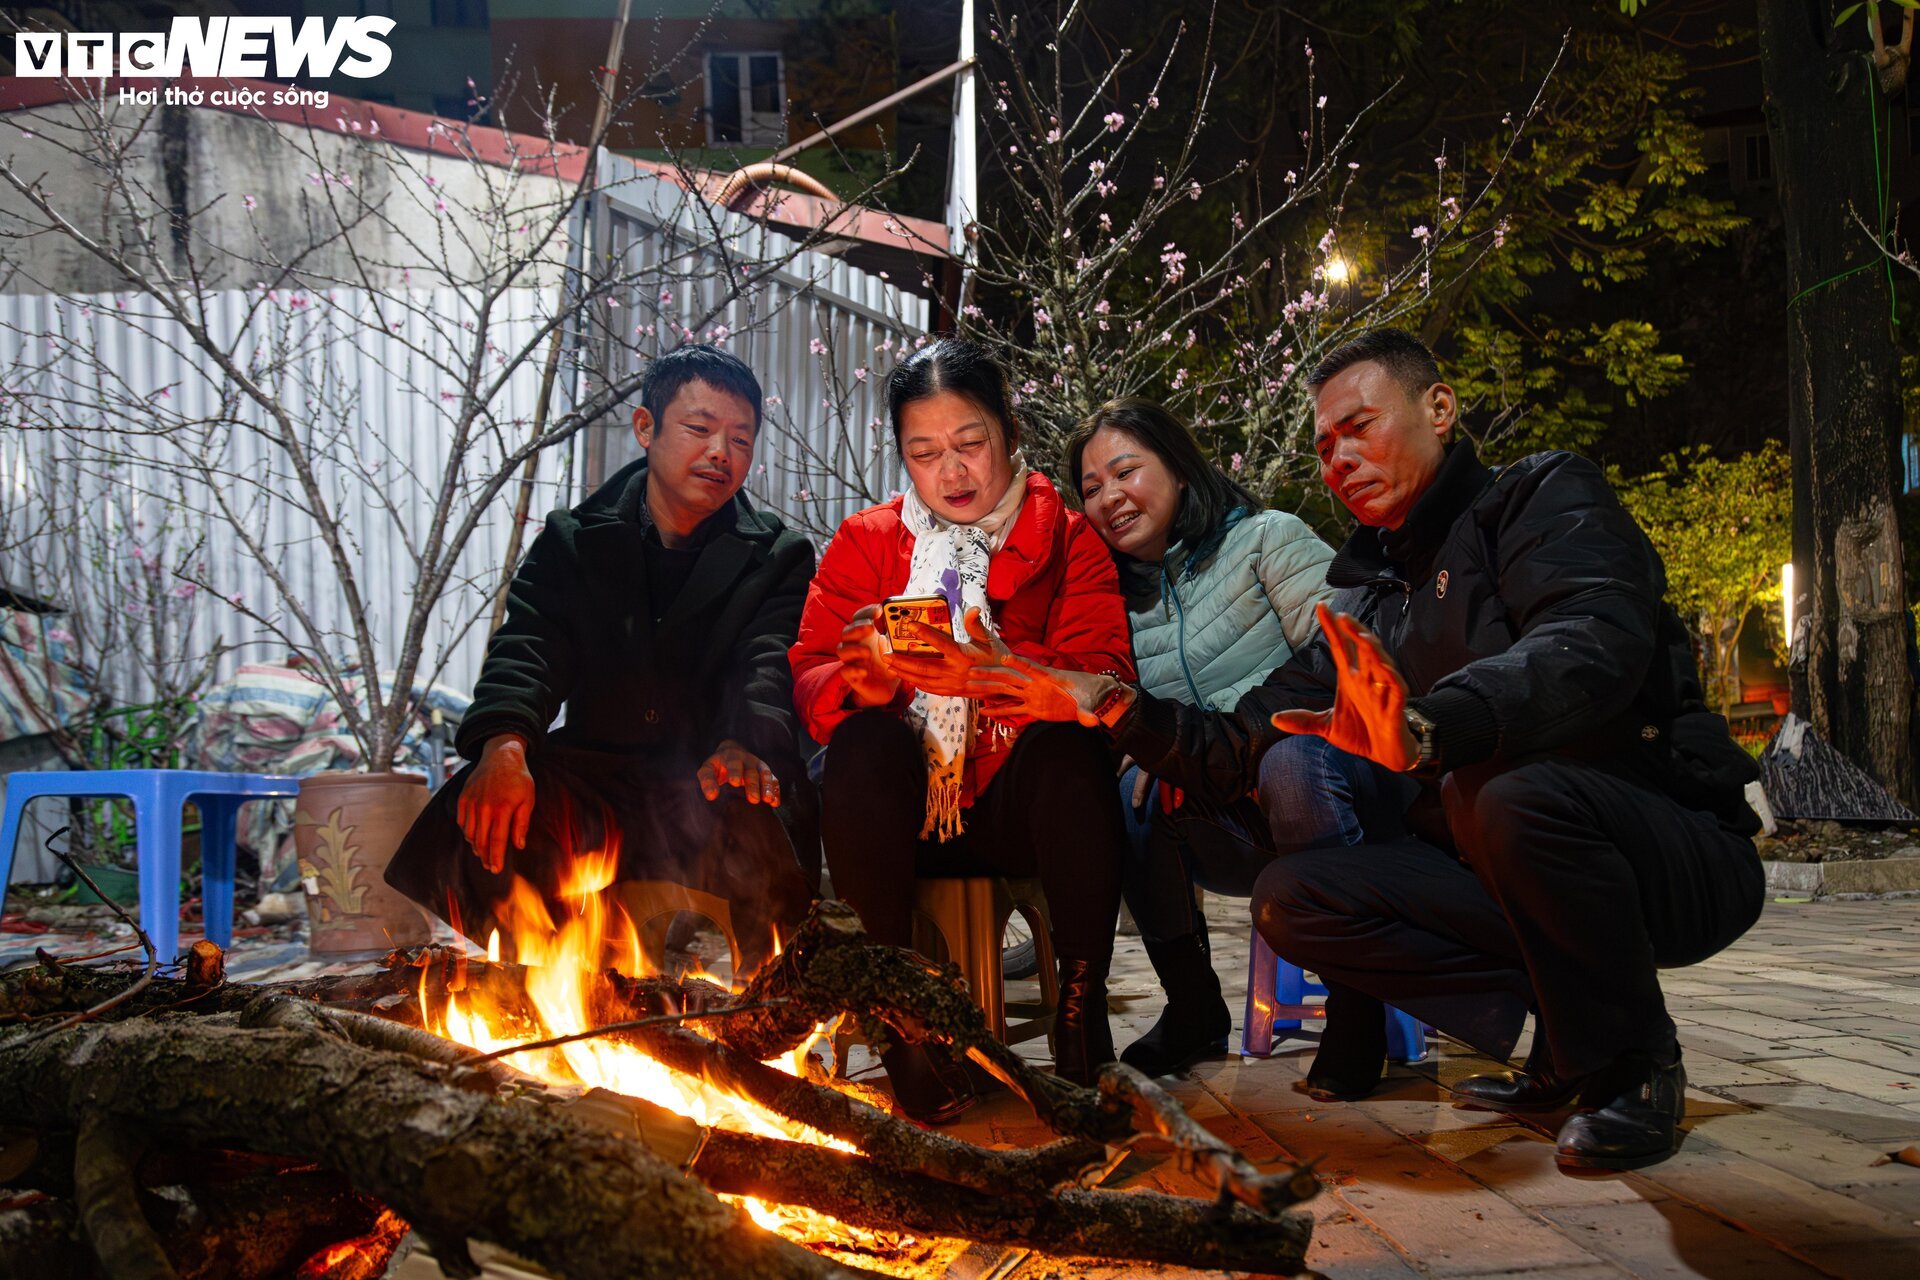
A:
1117,703
1423,733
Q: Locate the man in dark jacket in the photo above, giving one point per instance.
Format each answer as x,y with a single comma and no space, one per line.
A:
659,612
1574,819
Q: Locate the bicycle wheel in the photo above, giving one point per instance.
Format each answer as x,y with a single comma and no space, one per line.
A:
1019,958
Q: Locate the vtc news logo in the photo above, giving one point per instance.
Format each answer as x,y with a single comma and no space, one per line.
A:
236,47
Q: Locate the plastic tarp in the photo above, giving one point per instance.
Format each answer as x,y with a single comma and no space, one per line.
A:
280,719
41,689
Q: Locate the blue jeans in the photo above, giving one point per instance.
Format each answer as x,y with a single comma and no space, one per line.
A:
1316,796
1311,795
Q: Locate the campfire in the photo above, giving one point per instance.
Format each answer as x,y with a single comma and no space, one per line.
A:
565,966
571,1105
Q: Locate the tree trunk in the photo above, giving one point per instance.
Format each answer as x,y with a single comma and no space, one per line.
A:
1843,409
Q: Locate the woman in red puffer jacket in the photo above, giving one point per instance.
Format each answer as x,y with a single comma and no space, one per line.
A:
922,780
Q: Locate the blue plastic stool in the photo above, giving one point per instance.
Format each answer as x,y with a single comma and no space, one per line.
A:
158,796
1275,987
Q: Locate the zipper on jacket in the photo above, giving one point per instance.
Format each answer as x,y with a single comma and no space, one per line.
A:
1180,635
1387,580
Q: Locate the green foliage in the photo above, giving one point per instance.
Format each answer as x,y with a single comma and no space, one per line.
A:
1628,352
1723,527
1521,206
1602,192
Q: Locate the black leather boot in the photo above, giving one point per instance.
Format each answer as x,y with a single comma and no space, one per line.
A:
1082,1040
928,1086
1639,1127
1353,1048
1196,1020
1535,1087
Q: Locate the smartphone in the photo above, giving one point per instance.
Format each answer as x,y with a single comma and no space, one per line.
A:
933,611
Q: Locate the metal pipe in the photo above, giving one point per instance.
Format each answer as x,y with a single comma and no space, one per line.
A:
748,177
867,113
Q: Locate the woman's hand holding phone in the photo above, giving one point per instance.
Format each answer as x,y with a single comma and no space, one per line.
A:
929,658
863,660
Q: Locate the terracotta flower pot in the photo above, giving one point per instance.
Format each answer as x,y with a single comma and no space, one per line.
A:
346,828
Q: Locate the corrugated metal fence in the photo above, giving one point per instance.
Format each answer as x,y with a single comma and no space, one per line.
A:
134,399
820,333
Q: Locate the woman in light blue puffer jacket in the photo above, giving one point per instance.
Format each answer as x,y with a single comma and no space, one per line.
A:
1219,593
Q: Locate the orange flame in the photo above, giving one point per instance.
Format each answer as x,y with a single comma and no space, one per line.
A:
564,962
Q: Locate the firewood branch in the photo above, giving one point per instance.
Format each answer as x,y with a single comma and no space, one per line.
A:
830,966
1230,1172
1139,1226
573,1197
887,1140
110,1205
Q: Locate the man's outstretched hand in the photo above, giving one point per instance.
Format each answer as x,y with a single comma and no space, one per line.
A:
732,765
497,802
1368,717
985,669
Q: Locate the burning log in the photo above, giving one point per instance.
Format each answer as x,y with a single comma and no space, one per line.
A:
252,1228
569,1195
200,1060
829,966
1141,1226
885,1139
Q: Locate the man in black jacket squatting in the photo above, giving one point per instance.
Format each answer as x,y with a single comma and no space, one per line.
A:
1568,818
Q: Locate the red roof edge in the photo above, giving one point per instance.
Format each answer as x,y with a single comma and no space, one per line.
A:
423,131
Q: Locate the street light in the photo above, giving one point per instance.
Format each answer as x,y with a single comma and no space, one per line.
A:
1786,599
1337,270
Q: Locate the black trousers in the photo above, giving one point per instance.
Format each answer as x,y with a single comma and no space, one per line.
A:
1571,889
1051,810
651,811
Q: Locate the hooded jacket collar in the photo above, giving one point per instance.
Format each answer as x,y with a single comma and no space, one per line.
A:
1371,553
622,502
613,525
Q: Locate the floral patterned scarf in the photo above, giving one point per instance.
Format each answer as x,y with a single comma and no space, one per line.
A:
951,560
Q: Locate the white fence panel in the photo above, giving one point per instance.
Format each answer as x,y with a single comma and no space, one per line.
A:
130,393
379,433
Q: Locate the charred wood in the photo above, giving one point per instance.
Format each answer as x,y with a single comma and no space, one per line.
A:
1139,1226
568,1195
253,1228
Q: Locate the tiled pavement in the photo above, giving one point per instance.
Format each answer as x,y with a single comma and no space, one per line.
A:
1803,1044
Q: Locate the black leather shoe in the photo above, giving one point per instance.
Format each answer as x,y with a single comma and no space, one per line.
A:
1353,1048
1517,1091
1639,1127
1195,1022
928,1086
1082,1039
1535,1087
